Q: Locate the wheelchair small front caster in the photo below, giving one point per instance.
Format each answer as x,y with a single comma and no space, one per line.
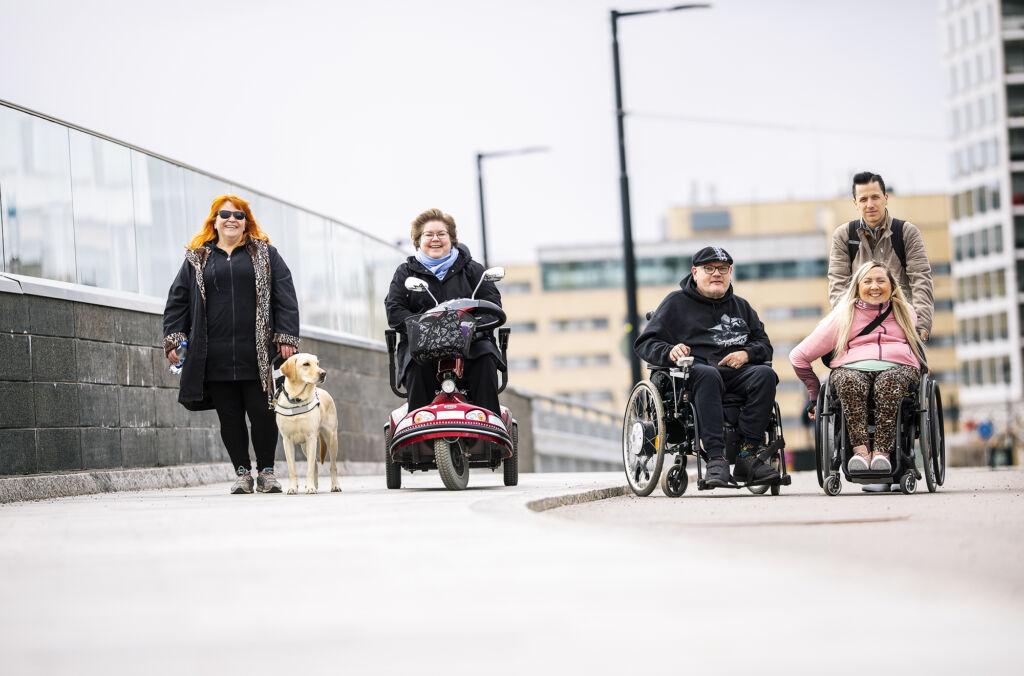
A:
908,483
673,482
833,486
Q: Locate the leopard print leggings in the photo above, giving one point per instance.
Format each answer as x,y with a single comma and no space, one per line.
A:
890,386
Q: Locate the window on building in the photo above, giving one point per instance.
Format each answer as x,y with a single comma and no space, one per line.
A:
1002,332
971,251
1015,93
965,373
943,304
982,240
522,327
981,194
778,313
1017,181
710,220
939,269
997,238
1004,363
1000,284
993,191
523,363
589,396
1013,55
515,288
578,324
575,361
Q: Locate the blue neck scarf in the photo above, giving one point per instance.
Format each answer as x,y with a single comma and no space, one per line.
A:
438,266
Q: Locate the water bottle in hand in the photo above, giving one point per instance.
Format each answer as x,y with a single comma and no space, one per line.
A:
181,350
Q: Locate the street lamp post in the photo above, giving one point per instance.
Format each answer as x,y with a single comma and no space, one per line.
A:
629,257
480,157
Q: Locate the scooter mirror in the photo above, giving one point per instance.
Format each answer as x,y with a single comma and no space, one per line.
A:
494,274
415,284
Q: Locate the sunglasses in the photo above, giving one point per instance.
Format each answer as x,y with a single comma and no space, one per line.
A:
225,214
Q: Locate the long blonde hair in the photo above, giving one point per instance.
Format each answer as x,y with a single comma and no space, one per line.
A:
843,313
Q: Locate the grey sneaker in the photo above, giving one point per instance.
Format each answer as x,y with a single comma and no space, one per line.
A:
243,484
266,482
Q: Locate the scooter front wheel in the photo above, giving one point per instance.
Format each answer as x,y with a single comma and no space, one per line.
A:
452,464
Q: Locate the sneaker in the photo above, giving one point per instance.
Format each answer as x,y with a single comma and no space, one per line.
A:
857,463
243,484
877,488
880,462
752,469
717,475
266,482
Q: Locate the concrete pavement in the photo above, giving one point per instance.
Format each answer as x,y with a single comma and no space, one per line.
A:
370,581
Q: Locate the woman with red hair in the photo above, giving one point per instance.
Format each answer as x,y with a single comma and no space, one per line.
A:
232,299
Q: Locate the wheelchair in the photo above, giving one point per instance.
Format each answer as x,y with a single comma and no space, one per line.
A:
660,419
918,418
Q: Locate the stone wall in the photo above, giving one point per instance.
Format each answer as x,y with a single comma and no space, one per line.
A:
86,387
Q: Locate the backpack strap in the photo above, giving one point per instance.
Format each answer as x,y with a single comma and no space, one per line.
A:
852,241
898,245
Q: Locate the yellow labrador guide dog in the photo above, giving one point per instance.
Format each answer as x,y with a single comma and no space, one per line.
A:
306,413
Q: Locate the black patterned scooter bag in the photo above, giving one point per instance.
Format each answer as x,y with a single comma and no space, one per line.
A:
441,335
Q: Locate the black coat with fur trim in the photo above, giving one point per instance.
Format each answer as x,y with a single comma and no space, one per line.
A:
277,316
459,282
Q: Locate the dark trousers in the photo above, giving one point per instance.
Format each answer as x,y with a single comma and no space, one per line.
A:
233,400
709,384
479,376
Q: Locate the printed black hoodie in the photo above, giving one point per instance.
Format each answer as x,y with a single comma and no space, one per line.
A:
712,328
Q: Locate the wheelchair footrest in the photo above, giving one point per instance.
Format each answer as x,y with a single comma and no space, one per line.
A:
786,480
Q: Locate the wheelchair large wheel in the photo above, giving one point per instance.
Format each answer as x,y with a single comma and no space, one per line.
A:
643,438
824,435
925,432
938,435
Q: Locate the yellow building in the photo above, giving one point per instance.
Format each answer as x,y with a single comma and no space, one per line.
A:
568,312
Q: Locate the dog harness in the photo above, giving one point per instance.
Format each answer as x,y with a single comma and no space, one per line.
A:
296,408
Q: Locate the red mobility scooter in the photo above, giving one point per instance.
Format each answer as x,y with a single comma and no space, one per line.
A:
450,434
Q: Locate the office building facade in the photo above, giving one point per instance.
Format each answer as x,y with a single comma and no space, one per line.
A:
983,62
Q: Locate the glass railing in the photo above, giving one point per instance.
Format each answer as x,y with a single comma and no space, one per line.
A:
81,208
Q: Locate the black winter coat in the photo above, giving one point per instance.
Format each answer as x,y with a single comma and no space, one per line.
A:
276,317
711,328
459,282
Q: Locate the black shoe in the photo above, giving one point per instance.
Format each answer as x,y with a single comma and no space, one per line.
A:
752,469
717,475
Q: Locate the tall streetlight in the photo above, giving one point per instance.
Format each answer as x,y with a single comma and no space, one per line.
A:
632,315
480,157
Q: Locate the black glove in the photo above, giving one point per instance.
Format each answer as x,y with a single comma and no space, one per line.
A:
809,409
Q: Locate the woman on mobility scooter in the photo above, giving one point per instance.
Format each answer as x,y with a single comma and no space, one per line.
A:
446,272
871,343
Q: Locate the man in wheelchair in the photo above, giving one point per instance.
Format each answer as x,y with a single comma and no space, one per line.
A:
706,320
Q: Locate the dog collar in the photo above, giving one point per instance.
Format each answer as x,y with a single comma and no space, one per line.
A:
298,409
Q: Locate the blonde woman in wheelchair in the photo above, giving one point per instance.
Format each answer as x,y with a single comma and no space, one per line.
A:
872,337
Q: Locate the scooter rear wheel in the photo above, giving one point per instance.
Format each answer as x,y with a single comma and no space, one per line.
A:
452,464
392,470
510,466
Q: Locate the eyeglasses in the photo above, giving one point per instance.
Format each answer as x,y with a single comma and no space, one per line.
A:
435,235
225,214
720,269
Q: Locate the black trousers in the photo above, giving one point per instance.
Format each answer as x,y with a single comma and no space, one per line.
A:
709,384
233,400
479,376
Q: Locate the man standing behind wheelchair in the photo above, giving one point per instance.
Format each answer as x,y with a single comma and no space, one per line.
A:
873,334
726,339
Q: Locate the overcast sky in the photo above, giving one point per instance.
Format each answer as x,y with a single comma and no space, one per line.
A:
373,111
